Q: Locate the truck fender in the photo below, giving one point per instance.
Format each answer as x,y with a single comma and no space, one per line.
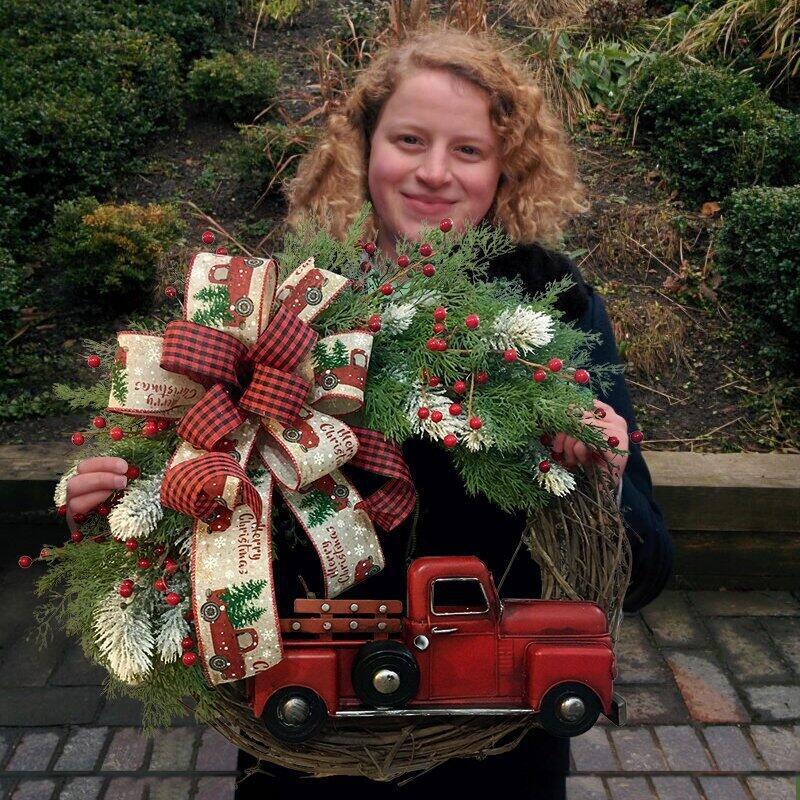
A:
316,669
548,665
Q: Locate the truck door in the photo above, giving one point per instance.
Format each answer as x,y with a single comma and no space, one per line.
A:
463,640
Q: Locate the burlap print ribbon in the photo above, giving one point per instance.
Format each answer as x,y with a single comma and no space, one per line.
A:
255,390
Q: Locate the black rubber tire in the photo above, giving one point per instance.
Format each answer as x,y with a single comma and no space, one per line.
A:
554,724
374,656
286,732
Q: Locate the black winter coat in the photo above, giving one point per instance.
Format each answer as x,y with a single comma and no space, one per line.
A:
451,523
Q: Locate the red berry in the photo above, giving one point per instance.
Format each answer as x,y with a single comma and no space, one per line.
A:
425,250
433,381
555,364
455,409
445,225
386,289
442,346
125,590
436,416
187,643
432,343
423,413
25,561
160,585
158,550
62,511
510,354
80,517
476,423
370,247
374,323
472,321
131,545
221,251
170,566
403,261
99,422
172,599
103,510
93,361
482,377
440,314
189,659
127,582
150,428
171,292
460,387
612,441
450,440
78,439
540,376
637,437
438,327
208,237
143,563
428,270
132,472
76,536
544,466
599,413
116,433
581,376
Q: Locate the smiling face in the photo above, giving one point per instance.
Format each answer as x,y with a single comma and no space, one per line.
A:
433,141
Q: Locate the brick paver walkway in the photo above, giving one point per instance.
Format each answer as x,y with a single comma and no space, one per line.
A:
712,681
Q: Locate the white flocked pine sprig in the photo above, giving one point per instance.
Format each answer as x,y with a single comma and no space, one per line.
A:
522,329
60,494
124,636
475,440
138,513
397,317
556,480
171,626
434,399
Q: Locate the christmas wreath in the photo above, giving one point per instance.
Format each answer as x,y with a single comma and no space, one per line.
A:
278,374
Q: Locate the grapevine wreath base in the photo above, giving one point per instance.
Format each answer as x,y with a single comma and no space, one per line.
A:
584,554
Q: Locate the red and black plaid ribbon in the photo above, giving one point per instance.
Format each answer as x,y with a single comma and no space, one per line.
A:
284,343
203,354
274,393
395,500
209,420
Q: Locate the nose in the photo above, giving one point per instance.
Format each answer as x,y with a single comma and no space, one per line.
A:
434,168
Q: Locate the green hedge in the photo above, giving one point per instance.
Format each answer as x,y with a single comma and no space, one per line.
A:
758,255
711,130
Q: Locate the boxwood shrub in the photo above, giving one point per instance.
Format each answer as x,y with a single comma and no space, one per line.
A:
712,131
758,255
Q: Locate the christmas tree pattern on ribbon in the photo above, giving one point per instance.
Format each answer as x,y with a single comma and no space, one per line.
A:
239,600
320,506
330,359
216,309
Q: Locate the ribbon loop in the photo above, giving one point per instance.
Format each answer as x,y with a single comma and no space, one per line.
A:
203,354
284,342
210,419
274,393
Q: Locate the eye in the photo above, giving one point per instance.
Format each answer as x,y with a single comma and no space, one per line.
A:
470,147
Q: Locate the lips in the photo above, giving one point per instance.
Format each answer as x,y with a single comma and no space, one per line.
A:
427,206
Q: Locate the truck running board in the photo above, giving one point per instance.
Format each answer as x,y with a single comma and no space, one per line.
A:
429,711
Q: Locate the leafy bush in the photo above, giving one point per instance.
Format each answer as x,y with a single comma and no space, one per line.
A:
233,85
711,130
758,255
109,253
613,17
602,71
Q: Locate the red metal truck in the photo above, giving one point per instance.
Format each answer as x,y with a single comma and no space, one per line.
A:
459,650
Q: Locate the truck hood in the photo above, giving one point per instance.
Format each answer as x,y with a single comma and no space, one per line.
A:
551,618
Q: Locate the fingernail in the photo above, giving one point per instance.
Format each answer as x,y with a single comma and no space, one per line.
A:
120,482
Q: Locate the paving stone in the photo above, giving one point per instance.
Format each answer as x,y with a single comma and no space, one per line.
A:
172,750
675,787
630,789
592,752
88,788
216,753
225,788
723,788
773,788
683,749
6,785
673,622
779,746
637,660
785,633
584,787
731,749
121,711
126,789
654,704
46,705
637,750
25,663
34,790
709,695
33,751
126,752
774,703
748,650
81,750
746,604
8,736
170,788
76,670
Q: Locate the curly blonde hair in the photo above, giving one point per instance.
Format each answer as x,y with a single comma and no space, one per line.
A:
538,189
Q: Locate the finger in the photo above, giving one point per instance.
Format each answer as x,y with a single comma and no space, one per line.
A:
86,502
103,464
582,453
569,452
94,482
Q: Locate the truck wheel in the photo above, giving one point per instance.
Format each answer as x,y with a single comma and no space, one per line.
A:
569,709
294,713
385,674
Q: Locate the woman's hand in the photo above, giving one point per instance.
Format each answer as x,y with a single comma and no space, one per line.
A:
574,452
97,478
